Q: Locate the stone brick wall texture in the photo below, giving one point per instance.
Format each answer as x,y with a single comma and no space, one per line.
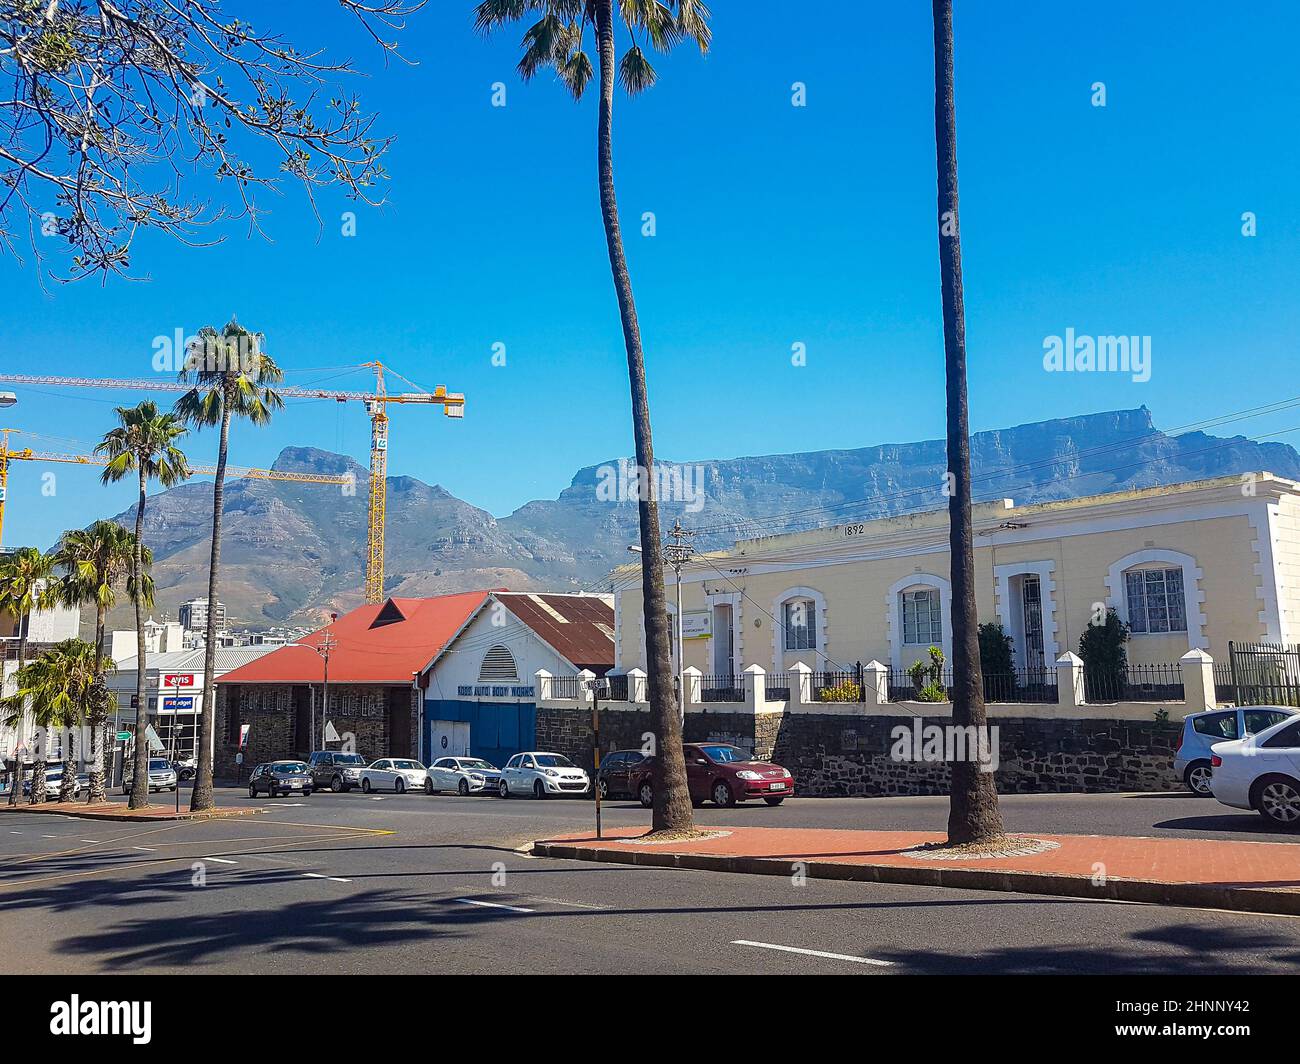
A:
841,756
273,734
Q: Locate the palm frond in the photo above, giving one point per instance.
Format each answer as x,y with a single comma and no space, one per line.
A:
576,73
635,72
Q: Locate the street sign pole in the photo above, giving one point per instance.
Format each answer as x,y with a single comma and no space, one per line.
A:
596,687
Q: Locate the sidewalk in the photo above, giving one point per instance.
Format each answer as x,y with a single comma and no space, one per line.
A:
1204,873
119,811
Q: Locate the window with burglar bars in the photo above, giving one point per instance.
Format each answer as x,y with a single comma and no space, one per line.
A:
922,619
1155,600
800,625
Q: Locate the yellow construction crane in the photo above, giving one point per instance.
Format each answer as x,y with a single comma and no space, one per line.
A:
376,404
26,454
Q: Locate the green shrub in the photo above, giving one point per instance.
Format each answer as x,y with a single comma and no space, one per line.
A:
996,657
844,691
932,692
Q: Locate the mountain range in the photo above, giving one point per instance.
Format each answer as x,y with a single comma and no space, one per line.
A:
293,552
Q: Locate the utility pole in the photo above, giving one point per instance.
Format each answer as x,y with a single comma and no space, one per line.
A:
676,554
326,645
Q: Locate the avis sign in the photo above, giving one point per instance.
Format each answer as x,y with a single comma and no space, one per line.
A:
179,679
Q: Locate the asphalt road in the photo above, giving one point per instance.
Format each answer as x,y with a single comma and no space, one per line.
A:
356,883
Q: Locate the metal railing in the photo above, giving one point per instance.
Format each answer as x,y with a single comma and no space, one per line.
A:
567,687
1030,685
843,685
1151,682
722,688
1263,674
776,686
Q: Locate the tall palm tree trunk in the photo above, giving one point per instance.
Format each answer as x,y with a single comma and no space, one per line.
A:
140,773
973,814
202,796
99,714
672,804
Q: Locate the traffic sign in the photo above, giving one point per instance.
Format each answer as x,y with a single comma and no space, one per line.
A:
123,736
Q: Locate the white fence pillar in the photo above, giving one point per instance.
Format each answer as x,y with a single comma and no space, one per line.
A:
691,678
1069,680
875,683
543,680
637,688
800,685
1198,681
585,693
755,679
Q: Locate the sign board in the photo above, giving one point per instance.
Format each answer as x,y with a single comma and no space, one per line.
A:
178,704
697,624
179,679
331,735
155,744
124,737
243,736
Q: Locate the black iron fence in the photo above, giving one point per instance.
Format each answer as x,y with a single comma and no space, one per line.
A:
1262,674
777,686
722,687
1027,685
1153,682
617,689
843,685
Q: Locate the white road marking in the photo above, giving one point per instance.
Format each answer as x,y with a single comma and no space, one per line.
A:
49,836
332,879
93,841
147,849
378,798
494,905
813,953
219,860
15,833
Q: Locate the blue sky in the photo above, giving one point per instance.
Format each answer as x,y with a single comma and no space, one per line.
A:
776,225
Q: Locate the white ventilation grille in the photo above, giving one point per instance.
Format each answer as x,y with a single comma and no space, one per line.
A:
498,664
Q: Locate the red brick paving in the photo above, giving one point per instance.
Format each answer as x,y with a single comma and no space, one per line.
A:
1260,876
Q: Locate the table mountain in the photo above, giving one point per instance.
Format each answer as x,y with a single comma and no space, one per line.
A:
291,552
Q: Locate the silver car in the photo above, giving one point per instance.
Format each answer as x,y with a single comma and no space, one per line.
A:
464,775
398,774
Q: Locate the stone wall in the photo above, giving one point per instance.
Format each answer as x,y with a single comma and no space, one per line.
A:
841,754
277,723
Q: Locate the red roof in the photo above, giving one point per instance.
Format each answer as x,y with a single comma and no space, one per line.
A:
382,644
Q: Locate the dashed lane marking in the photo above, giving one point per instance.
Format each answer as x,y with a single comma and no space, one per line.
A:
332,879
219,860
814,953
494,905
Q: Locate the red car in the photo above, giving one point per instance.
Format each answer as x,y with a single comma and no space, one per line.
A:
723,774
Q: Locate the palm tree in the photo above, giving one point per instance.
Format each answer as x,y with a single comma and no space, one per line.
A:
96,562
61,687
233,377
144,443
556,41
973,815
24,581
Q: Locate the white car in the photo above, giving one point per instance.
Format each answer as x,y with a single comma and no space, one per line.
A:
539,773
1261,772
464,775
395,773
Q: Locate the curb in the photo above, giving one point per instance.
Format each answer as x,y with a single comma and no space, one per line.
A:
1151,892
130,818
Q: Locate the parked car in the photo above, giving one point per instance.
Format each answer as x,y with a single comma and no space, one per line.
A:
162,777
1202,730
280,777
617,771
186,768
723,774
335,769
539,773
1261,772
396,773
465,775
54,780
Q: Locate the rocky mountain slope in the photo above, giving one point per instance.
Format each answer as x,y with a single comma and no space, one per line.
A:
293,552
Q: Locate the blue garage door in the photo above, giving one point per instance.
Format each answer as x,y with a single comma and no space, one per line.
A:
497,730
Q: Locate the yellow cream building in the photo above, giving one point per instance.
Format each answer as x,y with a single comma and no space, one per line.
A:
1188,566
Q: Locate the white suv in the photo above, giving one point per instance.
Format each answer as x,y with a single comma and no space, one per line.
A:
539,774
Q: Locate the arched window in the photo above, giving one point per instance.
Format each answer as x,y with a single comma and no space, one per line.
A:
922,616
1158,592
498,664
799,617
